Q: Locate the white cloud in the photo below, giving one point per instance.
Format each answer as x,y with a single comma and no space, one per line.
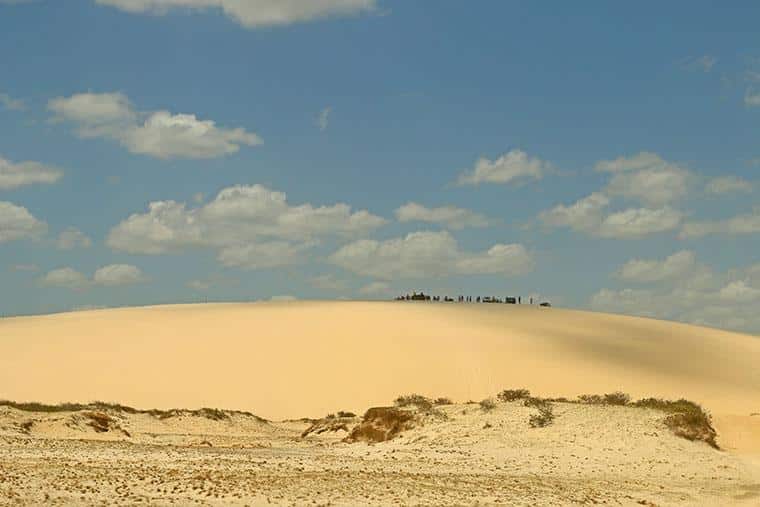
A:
73,238
703,63
65,277
159,134
752,97
262,255
739,291
328,282
108,276
8,102
728,185
17,223
250,227
14,175
429,254
741,224
118,274
639,222
449,216
252,13
646,177
323,121
588,215
376,289
512,167
687,291
675,266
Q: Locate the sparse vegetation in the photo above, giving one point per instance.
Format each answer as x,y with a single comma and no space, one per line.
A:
591,399
544,417
443,401
513,395
616,398
382,423
414,400
100,406
487,404
686,419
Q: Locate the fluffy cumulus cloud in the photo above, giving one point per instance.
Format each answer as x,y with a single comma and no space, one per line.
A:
589,215
428,254
14,175
17,223
107,276
68,278
73,238
653,183
682,289
8,102
159,134
249,226
647,178
512,167
118,274
728,185
252,13
748,223
448,216
645,270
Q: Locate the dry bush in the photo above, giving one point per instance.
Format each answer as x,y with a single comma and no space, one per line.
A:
686,419
382,423
443,401
616,398
414,400
345,413
487,404
544,417
513,395
331,423
99,421
591,399
532,401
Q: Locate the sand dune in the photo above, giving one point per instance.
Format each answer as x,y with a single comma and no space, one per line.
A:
296,359
306,359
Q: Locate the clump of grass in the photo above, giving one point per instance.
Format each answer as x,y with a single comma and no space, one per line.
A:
686,419
487,404
414,400
513,395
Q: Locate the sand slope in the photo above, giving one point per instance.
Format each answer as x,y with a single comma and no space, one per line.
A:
458,455
295,359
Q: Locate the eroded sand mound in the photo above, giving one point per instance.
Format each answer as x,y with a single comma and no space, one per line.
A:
458,454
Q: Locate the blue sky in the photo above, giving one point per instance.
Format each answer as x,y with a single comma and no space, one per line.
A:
601,156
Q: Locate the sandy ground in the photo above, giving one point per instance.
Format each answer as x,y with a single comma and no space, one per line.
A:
305,359
462,456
